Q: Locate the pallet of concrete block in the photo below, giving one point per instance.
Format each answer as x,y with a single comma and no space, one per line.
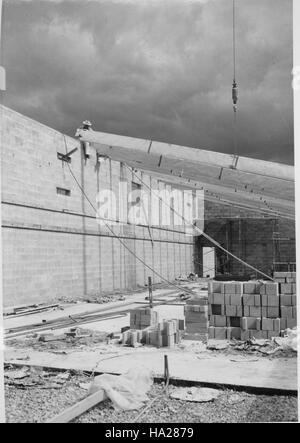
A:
164,334
143,318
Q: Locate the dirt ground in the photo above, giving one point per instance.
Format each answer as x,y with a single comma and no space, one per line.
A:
42,395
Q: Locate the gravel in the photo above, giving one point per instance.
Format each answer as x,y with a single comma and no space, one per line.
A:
37,404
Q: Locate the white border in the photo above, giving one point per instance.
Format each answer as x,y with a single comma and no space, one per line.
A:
296,31
297,160
2,402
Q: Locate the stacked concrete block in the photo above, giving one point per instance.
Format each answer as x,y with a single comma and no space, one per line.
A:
288,298
162,334
225,310
254,309
143,318
196,318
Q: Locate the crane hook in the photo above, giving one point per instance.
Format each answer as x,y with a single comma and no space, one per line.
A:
235,95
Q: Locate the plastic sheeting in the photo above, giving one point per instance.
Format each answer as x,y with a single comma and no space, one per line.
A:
127,392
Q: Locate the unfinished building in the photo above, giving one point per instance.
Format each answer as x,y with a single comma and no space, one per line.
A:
52,238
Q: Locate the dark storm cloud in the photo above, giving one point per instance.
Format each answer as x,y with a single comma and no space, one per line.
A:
159,69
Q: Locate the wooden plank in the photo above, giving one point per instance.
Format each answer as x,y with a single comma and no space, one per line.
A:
80,408
40,309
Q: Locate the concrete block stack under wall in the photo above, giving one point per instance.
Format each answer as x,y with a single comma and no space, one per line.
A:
254,309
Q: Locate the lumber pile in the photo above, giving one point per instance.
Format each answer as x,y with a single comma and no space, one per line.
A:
254,309
145,329
196,318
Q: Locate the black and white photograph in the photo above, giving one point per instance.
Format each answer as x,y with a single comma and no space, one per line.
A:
148,246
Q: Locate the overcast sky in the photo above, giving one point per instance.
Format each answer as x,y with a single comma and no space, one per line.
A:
155,69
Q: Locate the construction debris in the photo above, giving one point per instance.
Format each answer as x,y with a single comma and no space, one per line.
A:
193,394
127,392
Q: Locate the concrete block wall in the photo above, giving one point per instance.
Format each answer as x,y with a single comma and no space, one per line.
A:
260,241
52,244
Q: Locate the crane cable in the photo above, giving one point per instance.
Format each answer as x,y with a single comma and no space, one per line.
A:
235,92
114,235
195,227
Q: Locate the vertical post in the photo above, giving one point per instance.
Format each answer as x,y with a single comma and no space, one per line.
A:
150,292
167,373
2,398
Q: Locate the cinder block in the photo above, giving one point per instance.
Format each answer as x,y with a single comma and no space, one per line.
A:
217,310
286,300
286,311
246,311
249,323
227,299
283,324
229,288
272,312
218,299
220,333
294,300
211,332
272,288
230,311
250,288
255,311
249,300
273,301
264,301
235,322
294,312
262,289
267,324
217,286
276,325
239,311
239,286
258,324
257,300
291,323
218,321
287,288
236,300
